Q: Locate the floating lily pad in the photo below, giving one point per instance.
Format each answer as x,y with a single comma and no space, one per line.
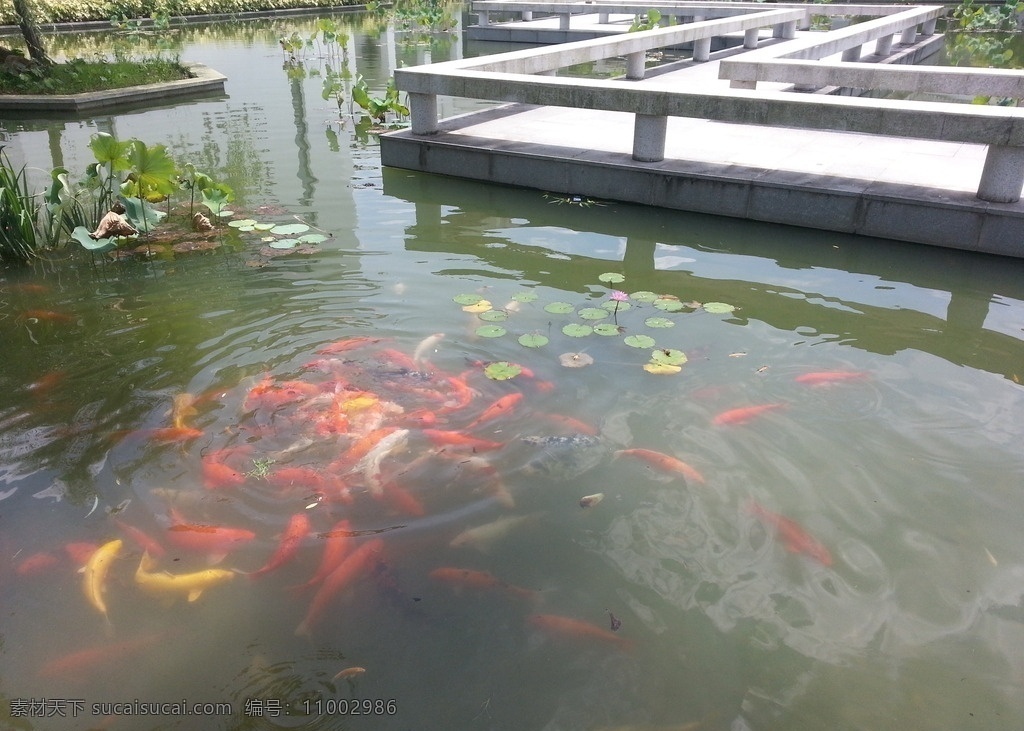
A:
668,304
288,229
284,244
491,331
494,315
502,370
593,313
246,229
607,329
224,214
576,330
313,239
610,305
242,223
639,341
658,322
533,340
718,308
559,308
481,306
661,369
467,299
611,278
643,296
263,226
524,296
575,360
668,356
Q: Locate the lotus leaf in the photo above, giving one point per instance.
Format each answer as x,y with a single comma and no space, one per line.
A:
467,299
559,308
576,330
288,229
491,331
241,222
615,306
313,238
97,246
593,313
494,315
575,360
718,308
639,341
284,244
668,304
643,296
659,322
607,329
533,340
502,370
668,356
263,226
246,229
611,278
524,296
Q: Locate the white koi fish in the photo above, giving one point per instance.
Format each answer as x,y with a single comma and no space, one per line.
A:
369,465
427,345
483,537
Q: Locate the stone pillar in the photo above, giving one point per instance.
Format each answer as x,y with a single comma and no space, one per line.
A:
851,54
563,21
636,65
481,18
784,30
909,36
883,46
526,15
422,113
602,18
649,138
750,37
702,49
928,27
1002,177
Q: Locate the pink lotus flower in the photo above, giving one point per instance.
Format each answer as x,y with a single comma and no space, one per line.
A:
619,296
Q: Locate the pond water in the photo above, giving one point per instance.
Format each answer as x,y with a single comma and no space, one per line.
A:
815,523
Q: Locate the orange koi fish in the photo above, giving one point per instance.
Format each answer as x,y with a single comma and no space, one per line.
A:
402,501
298,528
182,407
36,564
349,673
47,383
664,462
90,658
217,475
47,316
304,477
792,534
358,562
571,424
398,359
80,552
214,540
743,414
480,580
145,541
336,545
446,438
341,346
363,446
498,408
819,378
169,434
462,394
559,626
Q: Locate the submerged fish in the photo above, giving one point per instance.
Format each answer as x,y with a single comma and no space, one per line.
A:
95,570
664,462
483,537
792,534
819,378
565,457
370,464
473,579
182,408
357,562
427,345
163,583
500,407
298,528
744,414
568,627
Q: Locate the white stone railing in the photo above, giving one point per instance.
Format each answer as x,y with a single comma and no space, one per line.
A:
511,78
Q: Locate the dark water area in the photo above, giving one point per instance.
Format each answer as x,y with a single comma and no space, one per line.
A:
810,512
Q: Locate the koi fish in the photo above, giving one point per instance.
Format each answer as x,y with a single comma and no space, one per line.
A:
559,626
480,580
336,545
36,564
47,316
403,501
165,583
819,378
341,346
304,477
215,541
361,448
88,659
298,528
47,383
427,345
182,407
446,438
494,484
483,537
571,425
664,462
349,569
95,570
80,552
498,408
743,414
462,393
370,464
169,434
792,534
349,673
143,539
218,475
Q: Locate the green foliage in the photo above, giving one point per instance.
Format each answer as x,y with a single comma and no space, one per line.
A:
80,75
649,21
56,11
324,53
972,17
19,211
378,107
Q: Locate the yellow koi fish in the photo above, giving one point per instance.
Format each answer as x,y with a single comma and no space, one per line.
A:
95,571
162,583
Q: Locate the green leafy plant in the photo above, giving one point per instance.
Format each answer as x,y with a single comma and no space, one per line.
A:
378,107
647,21
19,212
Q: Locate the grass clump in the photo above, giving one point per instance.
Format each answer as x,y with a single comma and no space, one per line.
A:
81,75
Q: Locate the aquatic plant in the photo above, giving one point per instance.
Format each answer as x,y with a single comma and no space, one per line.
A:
19,212
647,21
378,107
